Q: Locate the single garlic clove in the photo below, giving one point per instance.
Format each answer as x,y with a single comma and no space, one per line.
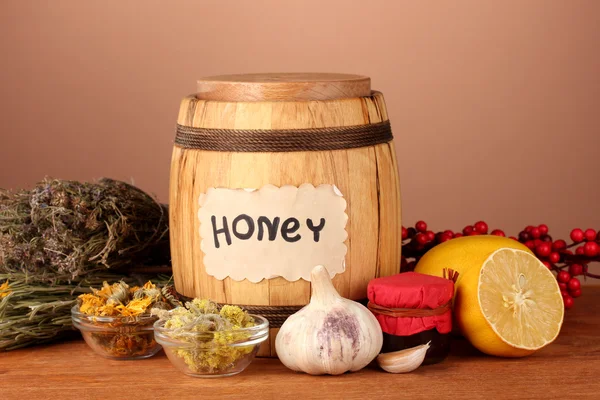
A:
407,360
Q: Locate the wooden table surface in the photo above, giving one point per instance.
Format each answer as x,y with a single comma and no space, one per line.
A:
567,369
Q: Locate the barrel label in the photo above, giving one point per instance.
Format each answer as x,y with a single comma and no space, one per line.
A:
271,232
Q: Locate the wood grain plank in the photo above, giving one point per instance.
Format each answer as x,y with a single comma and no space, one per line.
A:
341,177
389,211
183,283
210,171
363,210
70,370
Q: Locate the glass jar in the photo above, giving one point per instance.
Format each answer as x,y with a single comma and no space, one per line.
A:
209,354
117,338
413,309
439,344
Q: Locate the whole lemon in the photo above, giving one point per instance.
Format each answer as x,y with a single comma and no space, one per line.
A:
506,303
464,253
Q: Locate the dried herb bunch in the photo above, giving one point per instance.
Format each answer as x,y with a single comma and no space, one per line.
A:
36,313
62,229
116,322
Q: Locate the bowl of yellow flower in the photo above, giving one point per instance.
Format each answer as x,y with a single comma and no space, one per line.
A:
115,321
205,340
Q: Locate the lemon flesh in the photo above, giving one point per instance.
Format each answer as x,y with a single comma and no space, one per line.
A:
520,299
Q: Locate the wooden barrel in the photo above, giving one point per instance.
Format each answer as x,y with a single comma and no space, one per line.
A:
257,130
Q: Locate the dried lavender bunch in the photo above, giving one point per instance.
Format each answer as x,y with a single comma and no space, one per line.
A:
61,230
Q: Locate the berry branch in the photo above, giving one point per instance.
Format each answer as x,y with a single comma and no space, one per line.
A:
566,260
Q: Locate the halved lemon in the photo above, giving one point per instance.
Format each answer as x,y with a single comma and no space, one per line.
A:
506,302
511,306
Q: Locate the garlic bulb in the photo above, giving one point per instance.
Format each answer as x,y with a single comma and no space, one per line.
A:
331,335
407,360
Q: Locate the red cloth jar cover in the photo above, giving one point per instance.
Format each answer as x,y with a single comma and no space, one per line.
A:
415,291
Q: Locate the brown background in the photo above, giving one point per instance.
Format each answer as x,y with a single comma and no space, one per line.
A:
495,105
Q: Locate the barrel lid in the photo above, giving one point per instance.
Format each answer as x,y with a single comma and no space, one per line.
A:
283,87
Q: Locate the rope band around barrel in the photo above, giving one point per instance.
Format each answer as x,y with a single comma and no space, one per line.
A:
283,140
408,312
276,315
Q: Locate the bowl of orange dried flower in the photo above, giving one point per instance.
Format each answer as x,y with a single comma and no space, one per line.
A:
115,320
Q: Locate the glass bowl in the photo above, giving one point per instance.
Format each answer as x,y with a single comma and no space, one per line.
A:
211,354
118,338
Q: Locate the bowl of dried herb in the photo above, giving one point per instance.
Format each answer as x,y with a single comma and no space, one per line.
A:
206,340
115,321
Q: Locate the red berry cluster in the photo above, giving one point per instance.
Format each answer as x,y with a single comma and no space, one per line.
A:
418,240
556,255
